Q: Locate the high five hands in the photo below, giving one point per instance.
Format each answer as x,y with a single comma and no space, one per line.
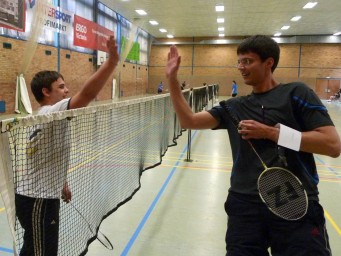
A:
173,63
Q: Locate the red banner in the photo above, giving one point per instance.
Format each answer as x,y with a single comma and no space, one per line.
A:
89,34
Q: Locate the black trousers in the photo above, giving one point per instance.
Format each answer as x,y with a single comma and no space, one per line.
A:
39,217
252,229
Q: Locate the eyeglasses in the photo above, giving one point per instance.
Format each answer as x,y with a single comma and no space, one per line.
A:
244,62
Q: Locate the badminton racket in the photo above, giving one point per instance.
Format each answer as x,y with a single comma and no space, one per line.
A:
99,235
280,190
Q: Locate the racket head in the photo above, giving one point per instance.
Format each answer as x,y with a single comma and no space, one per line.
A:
104,240
283,193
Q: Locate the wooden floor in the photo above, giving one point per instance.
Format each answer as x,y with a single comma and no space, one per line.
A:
179,210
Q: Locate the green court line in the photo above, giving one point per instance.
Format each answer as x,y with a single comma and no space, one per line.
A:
335,226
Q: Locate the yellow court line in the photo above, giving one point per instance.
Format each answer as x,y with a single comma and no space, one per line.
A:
2,209
335,226
192,168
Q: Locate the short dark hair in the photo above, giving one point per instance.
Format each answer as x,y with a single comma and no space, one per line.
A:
264,46
43,79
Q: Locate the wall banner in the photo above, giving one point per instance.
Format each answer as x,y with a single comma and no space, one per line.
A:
58,20
12,14
90,35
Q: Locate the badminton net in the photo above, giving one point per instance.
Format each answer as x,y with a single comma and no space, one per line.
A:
101,151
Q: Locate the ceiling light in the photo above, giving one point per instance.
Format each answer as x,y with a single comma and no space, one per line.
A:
310,5
221,29
220,20
163,30
277,34
285,27
337,33
170,36
219,8
296,18
221,35
154,22
141,12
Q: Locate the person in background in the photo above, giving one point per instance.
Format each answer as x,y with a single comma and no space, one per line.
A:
37,197
252,228
183,85
234,91
336,96
160,88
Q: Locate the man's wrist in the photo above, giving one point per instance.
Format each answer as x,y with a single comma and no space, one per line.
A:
289,138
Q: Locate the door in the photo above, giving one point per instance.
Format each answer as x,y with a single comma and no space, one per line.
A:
326,87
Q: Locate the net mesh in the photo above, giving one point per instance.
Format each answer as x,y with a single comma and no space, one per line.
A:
101,151
283,193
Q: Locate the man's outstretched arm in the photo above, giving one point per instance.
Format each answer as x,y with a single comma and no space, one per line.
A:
188,119
97,81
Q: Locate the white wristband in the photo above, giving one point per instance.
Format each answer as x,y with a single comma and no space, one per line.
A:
289,138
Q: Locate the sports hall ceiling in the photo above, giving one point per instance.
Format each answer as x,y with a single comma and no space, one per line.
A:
198,18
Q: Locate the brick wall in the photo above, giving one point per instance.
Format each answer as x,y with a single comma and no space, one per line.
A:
216,64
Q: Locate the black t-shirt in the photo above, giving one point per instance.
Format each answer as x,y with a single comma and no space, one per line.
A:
294,105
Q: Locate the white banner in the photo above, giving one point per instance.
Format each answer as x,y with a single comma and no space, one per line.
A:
58,20
55,19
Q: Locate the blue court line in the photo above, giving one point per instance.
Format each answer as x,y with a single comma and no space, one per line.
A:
330,169
2,249
151,207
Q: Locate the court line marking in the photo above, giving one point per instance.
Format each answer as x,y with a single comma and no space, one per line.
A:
2,209
152,206
332,222
2,249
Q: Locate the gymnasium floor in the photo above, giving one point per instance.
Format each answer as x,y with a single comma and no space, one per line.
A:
179,208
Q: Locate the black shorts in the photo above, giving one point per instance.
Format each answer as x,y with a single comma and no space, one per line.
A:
234,94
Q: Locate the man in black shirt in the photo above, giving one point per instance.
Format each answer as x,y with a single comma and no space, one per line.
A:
252,228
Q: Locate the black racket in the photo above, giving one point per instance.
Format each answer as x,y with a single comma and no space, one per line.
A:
280,190
99,236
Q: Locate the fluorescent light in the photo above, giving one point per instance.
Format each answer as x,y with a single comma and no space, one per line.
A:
337,33
285,27
296,18
219,8
170,36
220,20
154,22
141,12
277,34
163,30
221,35
221,29
310,5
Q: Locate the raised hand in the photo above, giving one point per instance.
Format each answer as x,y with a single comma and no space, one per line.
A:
173,63
112,49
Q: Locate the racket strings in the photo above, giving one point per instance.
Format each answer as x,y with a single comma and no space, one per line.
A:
283,193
